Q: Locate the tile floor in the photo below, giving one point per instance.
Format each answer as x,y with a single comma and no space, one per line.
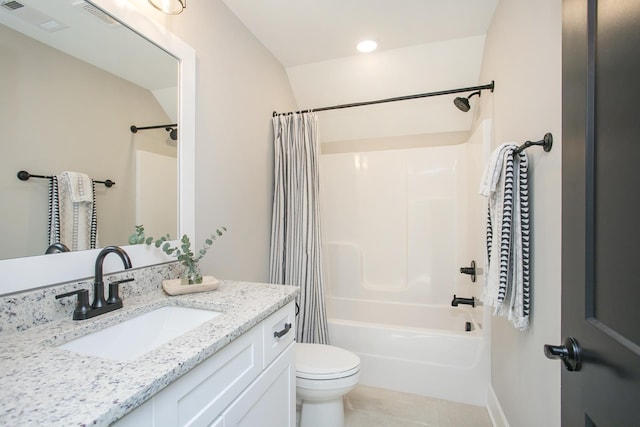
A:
377,407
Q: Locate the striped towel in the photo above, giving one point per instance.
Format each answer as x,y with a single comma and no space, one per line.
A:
72,211
507,285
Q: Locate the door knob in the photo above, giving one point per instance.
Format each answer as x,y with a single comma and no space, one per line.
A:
570,353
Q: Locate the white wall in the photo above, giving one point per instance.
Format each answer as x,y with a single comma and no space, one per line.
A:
523,55
239,84
407,71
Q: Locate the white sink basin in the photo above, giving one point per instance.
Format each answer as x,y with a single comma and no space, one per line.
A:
135,337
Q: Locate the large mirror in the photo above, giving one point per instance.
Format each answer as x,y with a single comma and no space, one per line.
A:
75,80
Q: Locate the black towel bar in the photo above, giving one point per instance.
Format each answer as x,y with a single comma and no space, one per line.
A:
24,176
546,143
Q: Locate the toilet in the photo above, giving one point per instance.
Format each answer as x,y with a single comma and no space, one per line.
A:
324,374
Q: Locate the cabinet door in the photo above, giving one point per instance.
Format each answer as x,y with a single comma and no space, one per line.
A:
270,400
201,395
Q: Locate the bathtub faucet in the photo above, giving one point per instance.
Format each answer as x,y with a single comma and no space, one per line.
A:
457,300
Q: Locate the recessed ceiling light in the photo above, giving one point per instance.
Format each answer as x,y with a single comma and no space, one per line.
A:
367,46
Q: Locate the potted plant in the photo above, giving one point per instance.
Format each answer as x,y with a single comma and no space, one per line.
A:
191,273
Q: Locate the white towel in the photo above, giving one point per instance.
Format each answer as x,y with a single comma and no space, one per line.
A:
505,184
493,171
79,186
77,218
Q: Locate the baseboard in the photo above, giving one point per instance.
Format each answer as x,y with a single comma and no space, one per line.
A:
494,408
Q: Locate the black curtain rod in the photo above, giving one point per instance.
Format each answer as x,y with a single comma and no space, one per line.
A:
489,86
24,176
172,129
135,128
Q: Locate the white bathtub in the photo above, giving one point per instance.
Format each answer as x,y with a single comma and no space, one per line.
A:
415,348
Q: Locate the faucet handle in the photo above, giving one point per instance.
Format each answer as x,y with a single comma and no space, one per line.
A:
114,297
470,271
82,306
117,282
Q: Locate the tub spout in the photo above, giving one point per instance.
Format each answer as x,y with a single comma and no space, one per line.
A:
459,300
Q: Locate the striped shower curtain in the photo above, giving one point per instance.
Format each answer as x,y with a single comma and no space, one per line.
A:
296,256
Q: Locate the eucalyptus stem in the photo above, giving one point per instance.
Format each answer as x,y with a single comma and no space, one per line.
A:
182,252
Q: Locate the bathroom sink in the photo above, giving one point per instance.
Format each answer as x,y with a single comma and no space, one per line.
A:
134,337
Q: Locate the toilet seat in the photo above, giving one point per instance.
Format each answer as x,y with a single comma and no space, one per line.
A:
325,362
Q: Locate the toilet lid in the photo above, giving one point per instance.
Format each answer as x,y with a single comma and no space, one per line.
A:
319,361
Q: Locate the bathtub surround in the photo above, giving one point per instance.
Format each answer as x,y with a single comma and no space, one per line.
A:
391,303
296,237
419,203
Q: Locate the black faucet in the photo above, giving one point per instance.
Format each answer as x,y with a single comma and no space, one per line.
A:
56,247
100,305
98,284
457,300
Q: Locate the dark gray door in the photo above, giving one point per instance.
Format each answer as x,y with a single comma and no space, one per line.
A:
601,211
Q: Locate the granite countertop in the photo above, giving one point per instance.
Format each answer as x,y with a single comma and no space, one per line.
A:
43,385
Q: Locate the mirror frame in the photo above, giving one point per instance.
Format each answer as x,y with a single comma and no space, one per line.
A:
21,274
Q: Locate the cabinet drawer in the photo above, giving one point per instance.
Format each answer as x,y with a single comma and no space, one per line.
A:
279,331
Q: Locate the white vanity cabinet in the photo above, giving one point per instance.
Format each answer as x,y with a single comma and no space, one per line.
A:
250,382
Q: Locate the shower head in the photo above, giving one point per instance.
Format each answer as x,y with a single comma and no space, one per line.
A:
463,103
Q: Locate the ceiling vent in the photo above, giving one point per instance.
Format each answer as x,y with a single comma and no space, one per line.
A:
12,5
91,9
32,16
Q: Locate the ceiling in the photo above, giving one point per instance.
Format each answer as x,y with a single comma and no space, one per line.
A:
83,31
303,31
